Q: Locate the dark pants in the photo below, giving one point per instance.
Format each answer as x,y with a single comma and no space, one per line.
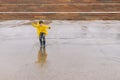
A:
42,39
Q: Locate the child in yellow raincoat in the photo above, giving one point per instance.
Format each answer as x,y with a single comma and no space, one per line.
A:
41,31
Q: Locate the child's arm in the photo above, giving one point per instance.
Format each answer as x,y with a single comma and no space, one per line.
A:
48,27
35,25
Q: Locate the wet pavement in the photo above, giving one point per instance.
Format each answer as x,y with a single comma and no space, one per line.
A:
76,50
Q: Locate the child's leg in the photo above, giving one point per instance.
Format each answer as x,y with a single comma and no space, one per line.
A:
44,41
40,39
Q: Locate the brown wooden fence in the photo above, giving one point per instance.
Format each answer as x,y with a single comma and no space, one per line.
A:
60,9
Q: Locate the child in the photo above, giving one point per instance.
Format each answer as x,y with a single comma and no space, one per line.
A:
41,31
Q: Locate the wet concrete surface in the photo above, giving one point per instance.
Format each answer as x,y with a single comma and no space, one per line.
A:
76,50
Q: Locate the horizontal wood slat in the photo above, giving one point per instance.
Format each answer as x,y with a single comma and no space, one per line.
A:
61,16
60,8
55,1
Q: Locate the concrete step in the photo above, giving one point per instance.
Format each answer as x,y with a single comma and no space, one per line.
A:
76,7
60,16
55,1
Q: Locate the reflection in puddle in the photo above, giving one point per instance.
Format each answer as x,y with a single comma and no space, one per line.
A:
42,56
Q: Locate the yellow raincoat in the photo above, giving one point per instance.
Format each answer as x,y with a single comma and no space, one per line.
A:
40,29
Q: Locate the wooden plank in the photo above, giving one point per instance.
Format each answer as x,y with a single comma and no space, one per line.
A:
55,1
60,16
60,8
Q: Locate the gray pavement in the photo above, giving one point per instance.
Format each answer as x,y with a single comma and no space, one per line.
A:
76,50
